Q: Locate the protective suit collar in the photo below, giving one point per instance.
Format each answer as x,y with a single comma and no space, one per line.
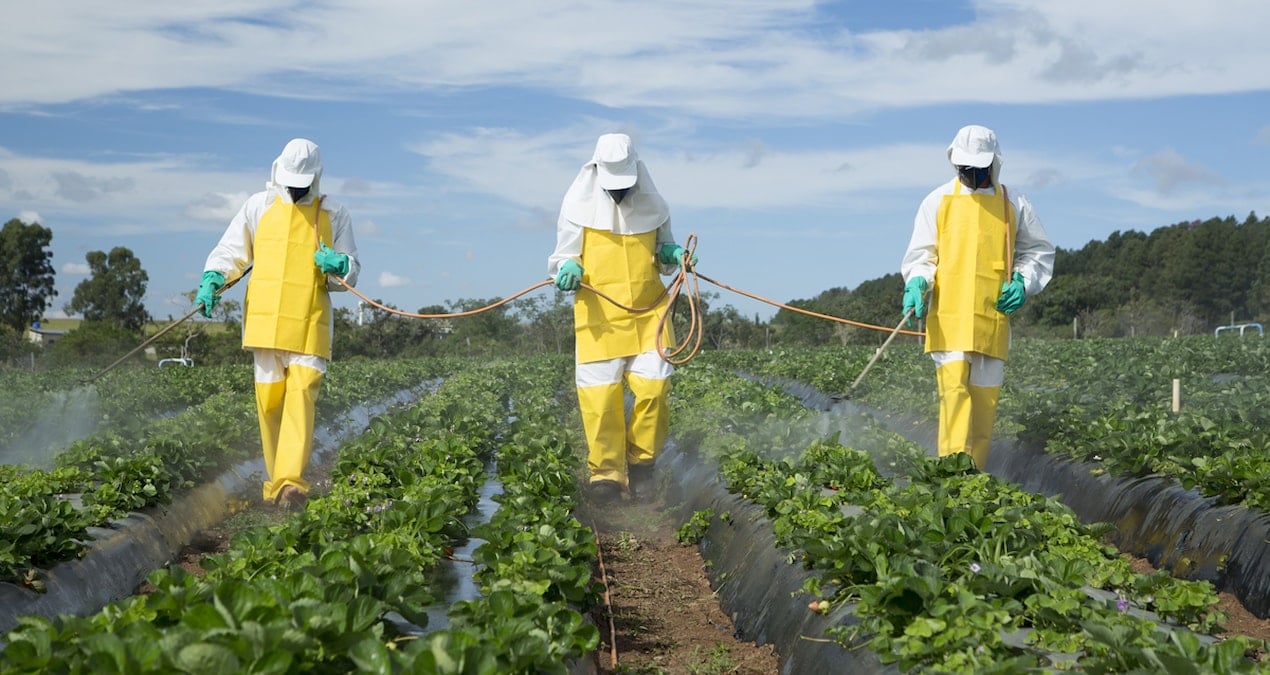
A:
586,204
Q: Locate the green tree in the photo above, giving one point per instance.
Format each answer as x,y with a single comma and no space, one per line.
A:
728,328
1259,295
796,328
546,323
877,302
491,332
114,290
26,273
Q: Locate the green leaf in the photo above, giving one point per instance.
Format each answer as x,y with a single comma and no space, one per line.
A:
208,659
371,656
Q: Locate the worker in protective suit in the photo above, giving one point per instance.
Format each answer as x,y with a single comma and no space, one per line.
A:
980,251
614,235
294,240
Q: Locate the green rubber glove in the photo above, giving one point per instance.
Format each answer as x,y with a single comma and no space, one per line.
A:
212,282
673,254
915,298
331,262
569,278
1012,295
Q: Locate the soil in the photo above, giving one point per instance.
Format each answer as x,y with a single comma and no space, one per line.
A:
1239,620
660,614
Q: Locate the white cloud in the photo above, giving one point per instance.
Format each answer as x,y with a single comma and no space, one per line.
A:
129,195
215,207
778,58
78,269
389,280
1167,170
366,228
748,175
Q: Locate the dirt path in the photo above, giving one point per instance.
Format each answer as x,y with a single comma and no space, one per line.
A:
665,618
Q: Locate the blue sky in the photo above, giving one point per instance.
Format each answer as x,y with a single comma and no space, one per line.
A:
795,139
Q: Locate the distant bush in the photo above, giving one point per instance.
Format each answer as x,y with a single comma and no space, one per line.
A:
92,344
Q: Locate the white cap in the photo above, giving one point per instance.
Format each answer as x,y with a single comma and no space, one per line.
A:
616,162
298,165
973,146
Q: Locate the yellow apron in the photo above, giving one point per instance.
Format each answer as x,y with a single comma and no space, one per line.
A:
623,267
974,237
287,305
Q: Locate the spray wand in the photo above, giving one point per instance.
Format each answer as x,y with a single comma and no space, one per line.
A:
156,336
878,354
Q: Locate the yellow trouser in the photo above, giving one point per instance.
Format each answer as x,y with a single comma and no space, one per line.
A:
611,445
286,412
966,413
650,419
983,415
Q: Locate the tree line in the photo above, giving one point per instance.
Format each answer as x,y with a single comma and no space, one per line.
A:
1185,278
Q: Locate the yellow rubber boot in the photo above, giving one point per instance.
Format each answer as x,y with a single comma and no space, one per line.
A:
295,435
983,415
269,397
954,407
650,420
604,422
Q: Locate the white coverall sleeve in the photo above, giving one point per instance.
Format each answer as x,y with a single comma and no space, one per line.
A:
1033,252
568,246
342,241
233,253
921,257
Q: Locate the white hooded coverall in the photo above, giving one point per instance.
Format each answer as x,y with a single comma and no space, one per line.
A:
617,245
967,243
287,324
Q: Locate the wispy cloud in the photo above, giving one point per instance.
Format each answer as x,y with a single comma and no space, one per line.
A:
779,58
1167,170
389,280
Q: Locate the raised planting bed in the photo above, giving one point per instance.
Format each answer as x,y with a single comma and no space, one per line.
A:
928,564
1154,517
348,583
119,557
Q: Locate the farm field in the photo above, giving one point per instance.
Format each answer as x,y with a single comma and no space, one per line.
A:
902,561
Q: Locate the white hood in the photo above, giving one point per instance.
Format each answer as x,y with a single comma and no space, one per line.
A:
299,165
586,204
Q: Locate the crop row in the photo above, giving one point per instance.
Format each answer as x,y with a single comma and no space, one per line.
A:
144,456
1109,402
344,585
945,569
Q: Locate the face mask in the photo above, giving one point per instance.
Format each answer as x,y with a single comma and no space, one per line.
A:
297,193
618,195
974,177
